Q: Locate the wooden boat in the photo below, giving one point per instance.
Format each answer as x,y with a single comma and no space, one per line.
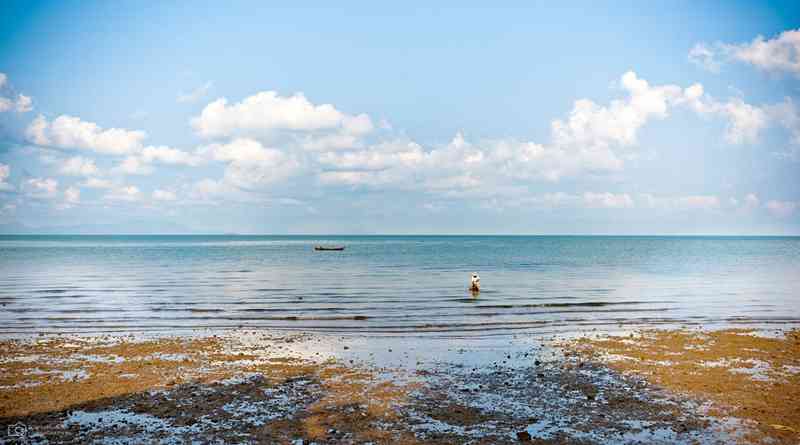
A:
328,247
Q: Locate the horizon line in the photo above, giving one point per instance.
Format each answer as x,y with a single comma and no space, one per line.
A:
419,234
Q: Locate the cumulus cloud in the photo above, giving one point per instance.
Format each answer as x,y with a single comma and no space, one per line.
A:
41,188
23,104
133,165
608,200
129,193
781,53
142,163
688,202
11,101
594,139
196,94
705,57
706,202
73,133
72,196
778,54
215,192
267,111
79,166
5,172
97,183
168,155
619,122
745,121
250,164
787,115
207,189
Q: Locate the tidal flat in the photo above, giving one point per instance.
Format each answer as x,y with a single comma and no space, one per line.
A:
252,386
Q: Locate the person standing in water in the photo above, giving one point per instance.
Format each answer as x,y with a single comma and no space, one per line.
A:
475,283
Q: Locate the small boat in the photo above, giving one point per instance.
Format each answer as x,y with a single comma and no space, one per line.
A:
328,247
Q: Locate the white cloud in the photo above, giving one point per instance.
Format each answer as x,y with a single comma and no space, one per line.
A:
41,188
167,155
97,183
746,121
79,166
358,178
72,196
787,115
267,111
5,172
142,163
590,124
23,104
164,195
325,142
250,164
210,191
125,193
196,94
594,139
689,202
20,104
782,209
705,57
779,54
37,131
5,104
608,200
240,150
379,156
71,132
133,165
702,202
207,189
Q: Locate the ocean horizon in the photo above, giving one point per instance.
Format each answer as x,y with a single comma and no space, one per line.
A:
395,284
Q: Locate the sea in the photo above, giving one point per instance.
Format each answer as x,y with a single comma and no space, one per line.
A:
409,286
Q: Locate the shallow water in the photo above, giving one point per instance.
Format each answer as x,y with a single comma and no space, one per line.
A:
400,285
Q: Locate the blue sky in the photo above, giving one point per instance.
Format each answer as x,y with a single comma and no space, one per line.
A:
520,118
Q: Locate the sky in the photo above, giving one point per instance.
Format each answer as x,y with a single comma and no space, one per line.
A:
360,118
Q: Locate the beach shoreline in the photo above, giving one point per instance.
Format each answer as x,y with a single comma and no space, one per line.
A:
258,386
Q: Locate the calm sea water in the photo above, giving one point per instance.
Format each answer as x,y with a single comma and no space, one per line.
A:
410,285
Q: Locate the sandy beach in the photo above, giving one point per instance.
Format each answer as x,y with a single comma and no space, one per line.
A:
679,386
414,223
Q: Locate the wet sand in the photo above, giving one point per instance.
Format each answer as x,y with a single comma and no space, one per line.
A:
257,387
750,375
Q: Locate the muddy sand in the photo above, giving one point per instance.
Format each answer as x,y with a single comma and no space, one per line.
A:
682,386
